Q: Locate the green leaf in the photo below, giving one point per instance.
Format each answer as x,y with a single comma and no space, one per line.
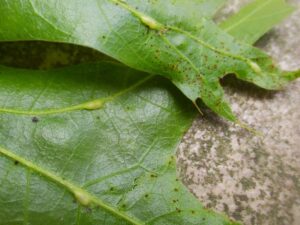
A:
85,145
193,57
180,11
255,19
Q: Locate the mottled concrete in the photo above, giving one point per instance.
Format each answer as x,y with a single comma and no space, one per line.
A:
253,179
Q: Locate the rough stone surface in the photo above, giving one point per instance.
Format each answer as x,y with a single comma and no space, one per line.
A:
252,178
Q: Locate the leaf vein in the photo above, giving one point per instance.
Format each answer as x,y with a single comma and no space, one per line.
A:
82,106
140,15
71,187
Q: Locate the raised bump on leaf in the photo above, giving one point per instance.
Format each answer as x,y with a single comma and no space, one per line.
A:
92,105
82,197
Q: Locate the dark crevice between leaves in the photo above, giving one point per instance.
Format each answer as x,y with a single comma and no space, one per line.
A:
46,55
242,87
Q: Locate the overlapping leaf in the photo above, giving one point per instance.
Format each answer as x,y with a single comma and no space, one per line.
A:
256,19
86,146
194,55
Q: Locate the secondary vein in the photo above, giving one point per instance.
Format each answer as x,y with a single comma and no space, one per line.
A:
90,105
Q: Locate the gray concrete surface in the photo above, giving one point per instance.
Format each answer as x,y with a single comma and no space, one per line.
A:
253,179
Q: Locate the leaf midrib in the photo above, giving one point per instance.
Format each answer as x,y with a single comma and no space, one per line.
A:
139,15
71,187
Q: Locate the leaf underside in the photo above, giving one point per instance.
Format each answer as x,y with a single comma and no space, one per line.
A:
193,54
67,158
